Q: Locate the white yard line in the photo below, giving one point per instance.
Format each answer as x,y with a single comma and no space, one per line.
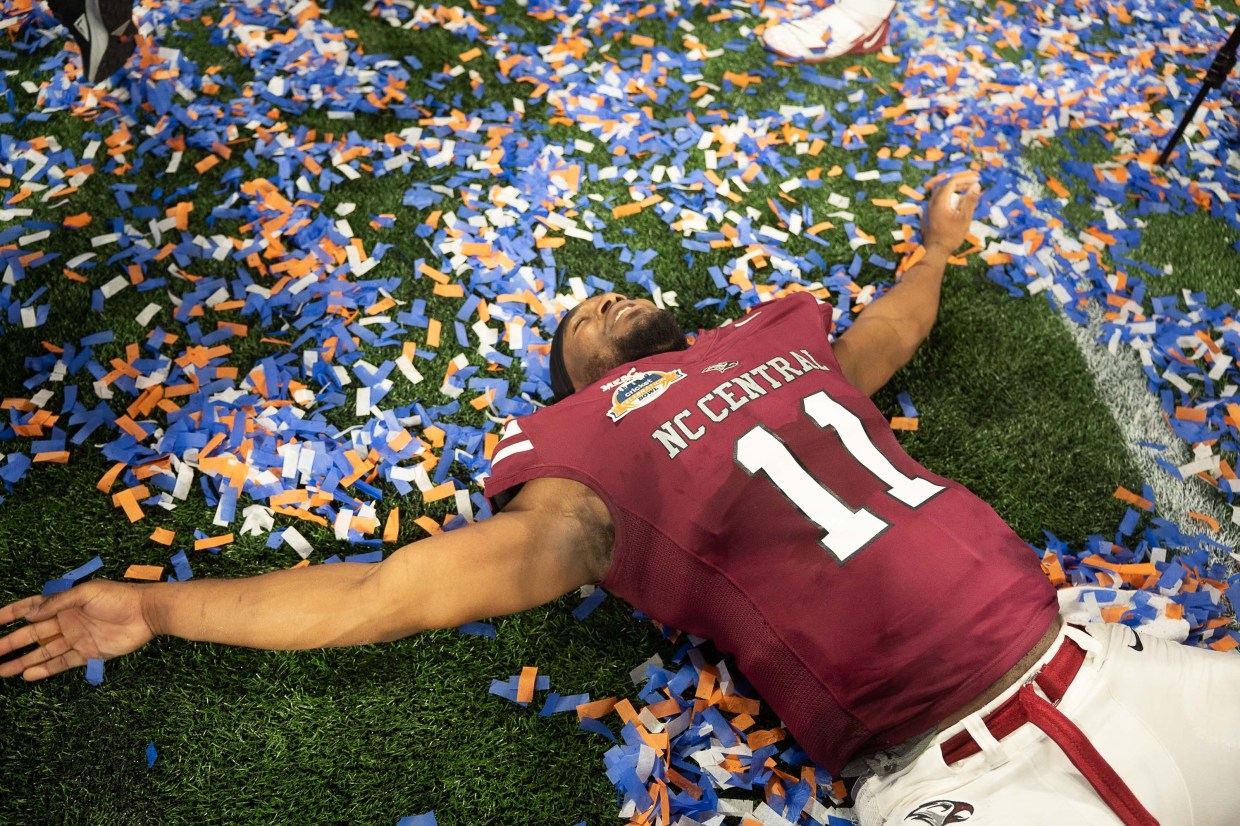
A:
1121,384
1137,413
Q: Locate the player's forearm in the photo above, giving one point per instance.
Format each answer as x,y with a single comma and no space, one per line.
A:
316,607
914,302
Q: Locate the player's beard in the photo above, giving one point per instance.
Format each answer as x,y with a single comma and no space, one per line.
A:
648,334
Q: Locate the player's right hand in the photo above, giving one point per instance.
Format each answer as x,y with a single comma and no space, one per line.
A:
95,620
950,212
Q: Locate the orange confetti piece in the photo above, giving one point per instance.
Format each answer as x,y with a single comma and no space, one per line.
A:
1224,644
628,714
206,164
163,536
212,542
525,684
108,479
764,737
439,492
1190,414
147,573
126,501
479,403
903,423
625,210
735,704
1125,495
131,427
429,525
1201,517
1114,613
391,529
596,709
1053,569
433,274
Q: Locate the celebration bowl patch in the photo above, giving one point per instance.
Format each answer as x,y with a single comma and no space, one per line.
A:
636,390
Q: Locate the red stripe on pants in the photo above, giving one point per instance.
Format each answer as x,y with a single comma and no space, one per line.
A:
1027,706
1076,746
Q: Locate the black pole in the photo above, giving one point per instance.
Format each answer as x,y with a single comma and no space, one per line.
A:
1223,63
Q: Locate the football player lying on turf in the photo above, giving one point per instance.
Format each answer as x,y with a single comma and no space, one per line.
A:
745,489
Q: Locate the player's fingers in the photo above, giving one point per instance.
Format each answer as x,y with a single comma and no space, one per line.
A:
20,638
70,659
949,191
962,182
42,654
16,610
53,605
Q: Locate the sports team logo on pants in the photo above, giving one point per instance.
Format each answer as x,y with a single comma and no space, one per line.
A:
941,812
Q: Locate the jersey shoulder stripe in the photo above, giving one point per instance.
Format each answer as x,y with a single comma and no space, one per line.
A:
508,450
513,442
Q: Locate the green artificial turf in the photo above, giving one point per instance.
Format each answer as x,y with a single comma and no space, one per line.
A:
371,734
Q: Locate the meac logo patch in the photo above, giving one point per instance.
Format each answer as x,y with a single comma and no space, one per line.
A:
634,390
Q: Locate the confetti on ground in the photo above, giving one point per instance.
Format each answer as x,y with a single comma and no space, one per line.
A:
260,255
427,819
94,671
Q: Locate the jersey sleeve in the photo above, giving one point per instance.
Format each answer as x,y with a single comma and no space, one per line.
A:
512,464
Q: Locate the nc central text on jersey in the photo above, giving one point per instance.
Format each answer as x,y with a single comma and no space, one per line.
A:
687,426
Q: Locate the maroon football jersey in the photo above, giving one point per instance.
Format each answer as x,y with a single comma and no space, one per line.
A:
764,503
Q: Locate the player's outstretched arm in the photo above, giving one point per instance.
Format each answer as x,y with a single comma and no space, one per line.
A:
889,331
555,536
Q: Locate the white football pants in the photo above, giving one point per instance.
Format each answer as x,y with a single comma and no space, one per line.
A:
1166,718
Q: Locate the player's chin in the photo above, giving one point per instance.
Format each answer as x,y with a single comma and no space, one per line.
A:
647,332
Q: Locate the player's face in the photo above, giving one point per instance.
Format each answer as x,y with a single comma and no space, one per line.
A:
609,330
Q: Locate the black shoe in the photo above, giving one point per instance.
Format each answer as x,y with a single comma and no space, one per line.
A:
104,32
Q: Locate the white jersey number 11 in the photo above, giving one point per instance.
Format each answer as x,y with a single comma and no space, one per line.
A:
845,531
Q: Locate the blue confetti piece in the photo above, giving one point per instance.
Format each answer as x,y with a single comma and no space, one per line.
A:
596,727
151,754
55,586
427,819
478,629
85,569
906,405
70,579
587,605
180,566
94,671
557,704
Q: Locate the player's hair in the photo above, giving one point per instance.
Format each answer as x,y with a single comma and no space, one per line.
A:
561,384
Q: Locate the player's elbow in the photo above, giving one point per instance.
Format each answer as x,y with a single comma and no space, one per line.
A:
388,603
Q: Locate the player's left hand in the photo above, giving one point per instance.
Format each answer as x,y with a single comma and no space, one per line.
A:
950,212
98,619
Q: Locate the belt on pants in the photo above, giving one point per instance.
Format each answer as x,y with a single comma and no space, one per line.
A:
1027,706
